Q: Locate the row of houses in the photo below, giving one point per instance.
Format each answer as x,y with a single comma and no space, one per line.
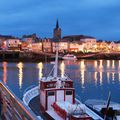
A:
74,43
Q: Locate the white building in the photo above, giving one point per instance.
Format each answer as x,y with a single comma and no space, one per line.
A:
13,44
113,46
76,47
63,46
89,43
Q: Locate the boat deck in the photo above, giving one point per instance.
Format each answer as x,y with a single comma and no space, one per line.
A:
35,107
52,113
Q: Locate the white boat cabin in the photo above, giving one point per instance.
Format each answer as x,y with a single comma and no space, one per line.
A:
55,90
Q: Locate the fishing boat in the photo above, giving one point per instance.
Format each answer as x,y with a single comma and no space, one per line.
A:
111,112
69,57
57,98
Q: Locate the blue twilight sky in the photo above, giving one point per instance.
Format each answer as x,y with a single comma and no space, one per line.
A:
98,18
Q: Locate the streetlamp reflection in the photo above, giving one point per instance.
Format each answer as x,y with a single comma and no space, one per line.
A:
20,67
82,69
40,68
62,68
4,72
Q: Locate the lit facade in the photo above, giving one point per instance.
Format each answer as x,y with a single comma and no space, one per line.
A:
36,47
13,44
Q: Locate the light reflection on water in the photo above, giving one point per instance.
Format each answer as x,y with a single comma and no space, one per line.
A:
20,73
40,68
82,72
93,79
62,68
4,72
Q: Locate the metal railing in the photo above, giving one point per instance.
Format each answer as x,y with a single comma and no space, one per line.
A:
12,108
30,94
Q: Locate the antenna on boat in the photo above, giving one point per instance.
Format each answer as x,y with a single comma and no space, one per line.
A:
56,62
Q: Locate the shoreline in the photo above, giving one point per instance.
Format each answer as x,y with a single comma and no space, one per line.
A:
47,57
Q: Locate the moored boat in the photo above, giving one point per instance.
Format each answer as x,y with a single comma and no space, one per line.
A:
69,57
100,106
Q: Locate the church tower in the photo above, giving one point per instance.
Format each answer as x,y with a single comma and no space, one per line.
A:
57,32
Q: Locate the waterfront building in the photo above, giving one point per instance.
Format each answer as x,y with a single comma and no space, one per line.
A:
89,43
102,46
30,38
13,44
80,43
47,45
36,47
3,39
63,46
113,46
75,47
118,47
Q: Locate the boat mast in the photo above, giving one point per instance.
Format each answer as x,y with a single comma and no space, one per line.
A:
56,62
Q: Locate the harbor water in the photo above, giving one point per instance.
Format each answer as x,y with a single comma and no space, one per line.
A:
93,79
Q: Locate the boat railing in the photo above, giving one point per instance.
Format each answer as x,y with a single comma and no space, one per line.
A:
30,94
88,110
12,108
28,88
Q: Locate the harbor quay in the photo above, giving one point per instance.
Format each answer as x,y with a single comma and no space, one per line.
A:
28,56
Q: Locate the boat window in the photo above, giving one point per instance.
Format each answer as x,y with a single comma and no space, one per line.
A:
68,92
51,93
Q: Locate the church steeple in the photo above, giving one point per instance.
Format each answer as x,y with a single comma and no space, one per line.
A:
57,24
57,31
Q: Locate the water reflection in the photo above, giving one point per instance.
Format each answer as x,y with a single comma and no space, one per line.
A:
108,64
95,77
96,73
113,73
62,68
90,76
101,78
20,67
113,64
119,69
4,72
95,64
101,65
119,64
82,69
40,68
119,77
113,76
108,77
101,72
